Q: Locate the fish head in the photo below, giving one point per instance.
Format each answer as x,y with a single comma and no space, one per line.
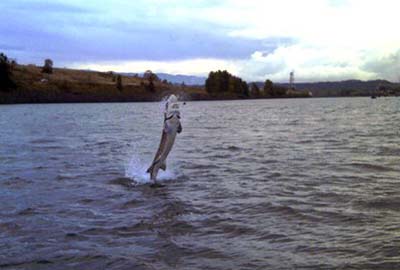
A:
172,112
172,107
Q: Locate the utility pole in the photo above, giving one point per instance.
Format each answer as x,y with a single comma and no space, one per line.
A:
291,80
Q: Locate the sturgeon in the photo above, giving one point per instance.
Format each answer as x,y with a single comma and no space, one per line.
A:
172,126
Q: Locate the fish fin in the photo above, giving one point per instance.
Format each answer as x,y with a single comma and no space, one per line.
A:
163,166
150,168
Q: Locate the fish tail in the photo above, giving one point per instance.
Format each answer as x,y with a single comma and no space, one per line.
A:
150,169
163,166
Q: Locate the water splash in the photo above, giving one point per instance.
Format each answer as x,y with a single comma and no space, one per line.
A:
137,166
163,102
136,170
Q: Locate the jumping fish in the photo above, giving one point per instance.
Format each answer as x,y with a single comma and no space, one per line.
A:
172,126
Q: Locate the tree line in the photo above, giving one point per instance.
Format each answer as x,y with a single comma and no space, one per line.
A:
6,81
223,82
269,90
220,82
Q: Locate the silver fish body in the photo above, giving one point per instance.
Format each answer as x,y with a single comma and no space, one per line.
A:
172,126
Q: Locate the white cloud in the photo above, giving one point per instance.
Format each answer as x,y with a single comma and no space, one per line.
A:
199,67
334,39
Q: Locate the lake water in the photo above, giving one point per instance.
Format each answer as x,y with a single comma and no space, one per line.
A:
265,184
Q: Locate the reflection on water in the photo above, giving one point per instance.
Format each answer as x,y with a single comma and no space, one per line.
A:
266,184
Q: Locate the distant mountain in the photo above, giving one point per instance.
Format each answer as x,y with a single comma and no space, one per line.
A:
187,79
175,79
318,89
344,88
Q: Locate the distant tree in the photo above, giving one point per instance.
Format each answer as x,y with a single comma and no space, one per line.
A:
212,83
13,63
269,88
150,76
164,81
119,82
222,82
111,75
6,82
150,87
48,66
245,89
280,91
255,90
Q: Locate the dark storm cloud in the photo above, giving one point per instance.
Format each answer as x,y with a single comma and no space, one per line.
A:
154,43
72,34
386,67
134,44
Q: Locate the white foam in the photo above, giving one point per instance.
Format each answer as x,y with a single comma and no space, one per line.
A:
164,101
136,167
136,170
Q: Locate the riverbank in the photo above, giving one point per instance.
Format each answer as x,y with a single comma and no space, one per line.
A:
73,86
68,85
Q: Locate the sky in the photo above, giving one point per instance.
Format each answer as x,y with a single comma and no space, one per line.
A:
320,40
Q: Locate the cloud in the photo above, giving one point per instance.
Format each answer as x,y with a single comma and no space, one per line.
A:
199,67
385,67
319,39
140,35
6,47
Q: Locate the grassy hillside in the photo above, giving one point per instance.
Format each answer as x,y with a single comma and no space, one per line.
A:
68,85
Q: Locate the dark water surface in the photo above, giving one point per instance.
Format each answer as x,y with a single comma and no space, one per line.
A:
267,184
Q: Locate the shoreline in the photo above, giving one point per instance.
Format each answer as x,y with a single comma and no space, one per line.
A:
65,85
184,100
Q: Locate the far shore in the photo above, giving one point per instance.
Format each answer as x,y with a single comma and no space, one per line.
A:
64,85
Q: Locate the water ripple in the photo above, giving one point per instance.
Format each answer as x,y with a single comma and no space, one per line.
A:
265,184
